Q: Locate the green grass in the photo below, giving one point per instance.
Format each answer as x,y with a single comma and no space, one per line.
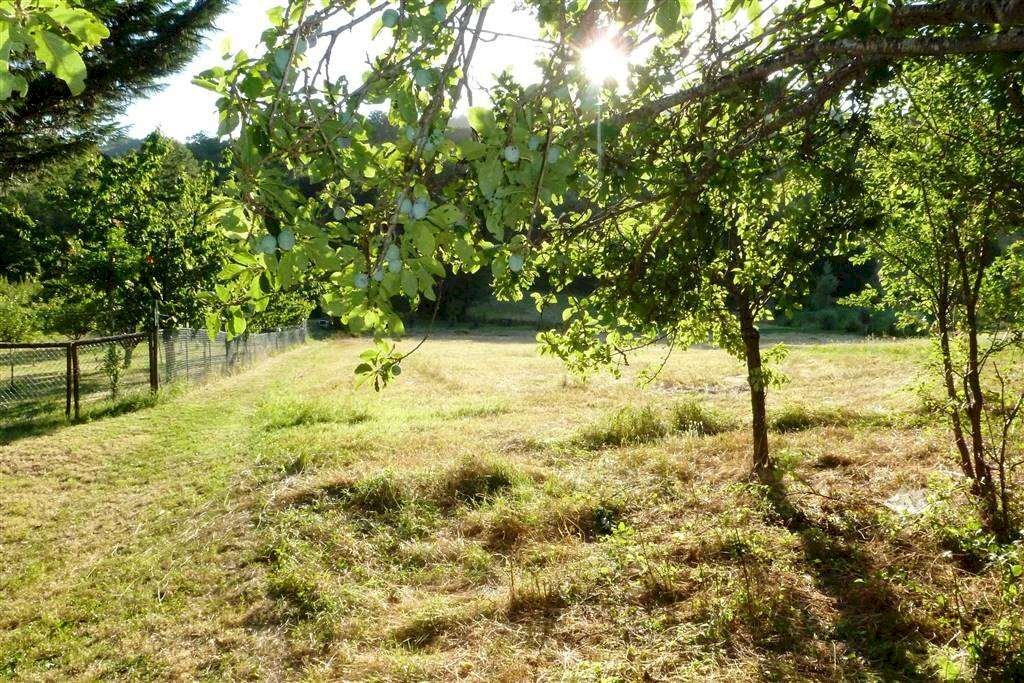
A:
625,426
695,417
488,518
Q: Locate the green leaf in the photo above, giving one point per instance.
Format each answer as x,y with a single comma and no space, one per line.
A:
632,9
489,175
667,17
80,23
423,238
11,83
212,325
481,120
236,325
472,149
61,59
410,285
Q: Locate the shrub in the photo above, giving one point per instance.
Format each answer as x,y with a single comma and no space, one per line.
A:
627,426
694,417
795,418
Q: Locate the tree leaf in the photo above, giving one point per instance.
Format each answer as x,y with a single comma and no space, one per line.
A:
410,285
667,17
61,59
489,175
481,120
81,23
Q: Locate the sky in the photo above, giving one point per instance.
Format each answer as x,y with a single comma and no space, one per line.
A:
182,109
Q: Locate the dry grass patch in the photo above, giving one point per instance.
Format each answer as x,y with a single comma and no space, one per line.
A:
448,539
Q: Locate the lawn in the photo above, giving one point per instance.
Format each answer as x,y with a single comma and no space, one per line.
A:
490,517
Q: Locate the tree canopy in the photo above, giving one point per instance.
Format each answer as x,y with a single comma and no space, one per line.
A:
690,192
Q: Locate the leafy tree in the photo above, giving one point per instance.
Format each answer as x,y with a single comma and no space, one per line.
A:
285,309
138,237
380,202
18,257
702,266
946,168
18,321
212,151
125,47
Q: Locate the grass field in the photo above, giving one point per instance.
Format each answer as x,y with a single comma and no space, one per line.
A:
491,518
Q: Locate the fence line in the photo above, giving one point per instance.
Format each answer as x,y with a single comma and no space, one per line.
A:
37,375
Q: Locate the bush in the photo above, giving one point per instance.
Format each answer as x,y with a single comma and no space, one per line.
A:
795,418
850,319
696,418
627,426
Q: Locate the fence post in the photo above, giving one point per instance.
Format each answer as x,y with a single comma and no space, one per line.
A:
68,382
154,361
76,376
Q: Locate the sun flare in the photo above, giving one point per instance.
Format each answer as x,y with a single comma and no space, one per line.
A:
604,60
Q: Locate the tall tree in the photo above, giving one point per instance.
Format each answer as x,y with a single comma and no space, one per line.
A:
148,40
137,235
947,168
705,265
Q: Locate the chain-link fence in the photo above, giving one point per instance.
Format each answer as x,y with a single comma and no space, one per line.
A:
41,378
191,356
33,377
111,368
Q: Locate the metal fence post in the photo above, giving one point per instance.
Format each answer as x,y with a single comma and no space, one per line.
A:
76,374
154,361
68,382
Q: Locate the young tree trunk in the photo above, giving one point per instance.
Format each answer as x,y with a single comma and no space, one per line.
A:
986,485
764,466
942,319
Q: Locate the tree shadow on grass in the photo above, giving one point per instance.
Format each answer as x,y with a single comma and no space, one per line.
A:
27,422
872,623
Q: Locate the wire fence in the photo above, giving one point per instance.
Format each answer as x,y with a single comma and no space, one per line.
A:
33,375
41,378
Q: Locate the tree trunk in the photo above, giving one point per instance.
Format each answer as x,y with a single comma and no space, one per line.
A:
985,483
954,397
764,467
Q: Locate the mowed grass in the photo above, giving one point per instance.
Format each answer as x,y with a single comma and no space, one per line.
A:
487,518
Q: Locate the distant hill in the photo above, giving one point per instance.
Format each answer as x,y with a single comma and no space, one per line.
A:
120,145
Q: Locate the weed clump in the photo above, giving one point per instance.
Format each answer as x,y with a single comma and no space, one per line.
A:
627,426
696,418
475,481
485,410
433,621
380,494
305,413
796,418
